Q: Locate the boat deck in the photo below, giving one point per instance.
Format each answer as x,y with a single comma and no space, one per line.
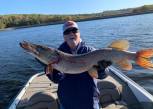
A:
39,84
115,93
39,90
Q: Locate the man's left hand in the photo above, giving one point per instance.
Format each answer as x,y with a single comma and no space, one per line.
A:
103,64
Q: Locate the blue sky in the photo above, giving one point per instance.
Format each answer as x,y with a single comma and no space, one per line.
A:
66,6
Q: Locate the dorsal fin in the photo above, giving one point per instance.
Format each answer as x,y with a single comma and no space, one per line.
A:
121,44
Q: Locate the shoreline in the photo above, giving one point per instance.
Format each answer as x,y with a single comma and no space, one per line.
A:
87,19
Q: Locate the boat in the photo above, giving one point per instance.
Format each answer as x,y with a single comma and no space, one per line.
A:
117,91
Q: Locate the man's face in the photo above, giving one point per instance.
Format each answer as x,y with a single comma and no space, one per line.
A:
72,37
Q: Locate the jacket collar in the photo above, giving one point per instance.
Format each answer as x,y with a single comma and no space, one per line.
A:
69,50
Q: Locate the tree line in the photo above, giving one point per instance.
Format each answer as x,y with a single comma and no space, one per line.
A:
19,20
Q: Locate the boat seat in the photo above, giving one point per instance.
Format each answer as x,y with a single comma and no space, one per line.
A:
110,94
42,100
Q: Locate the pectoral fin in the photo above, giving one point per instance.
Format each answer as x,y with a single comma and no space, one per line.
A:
124,64
93,72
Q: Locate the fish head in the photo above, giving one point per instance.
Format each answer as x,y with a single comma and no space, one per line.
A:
45,54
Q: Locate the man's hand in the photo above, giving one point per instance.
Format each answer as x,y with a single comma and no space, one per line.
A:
48,69
103,64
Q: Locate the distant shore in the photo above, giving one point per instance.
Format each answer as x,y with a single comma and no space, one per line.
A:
85,19
36,25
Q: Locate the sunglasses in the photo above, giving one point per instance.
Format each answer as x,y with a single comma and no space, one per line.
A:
73,30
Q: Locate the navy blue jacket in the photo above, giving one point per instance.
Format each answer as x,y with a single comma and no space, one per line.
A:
76,91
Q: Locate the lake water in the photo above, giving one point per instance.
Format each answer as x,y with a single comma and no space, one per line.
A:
17,66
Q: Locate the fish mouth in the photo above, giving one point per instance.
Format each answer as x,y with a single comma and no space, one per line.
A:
29,47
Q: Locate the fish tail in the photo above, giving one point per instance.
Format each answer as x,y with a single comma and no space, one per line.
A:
143,58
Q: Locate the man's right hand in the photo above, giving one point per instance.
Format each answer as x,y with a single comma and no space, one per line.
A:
48,69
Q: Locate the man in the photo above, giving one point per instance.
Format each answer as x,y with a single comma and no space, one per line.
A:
76,91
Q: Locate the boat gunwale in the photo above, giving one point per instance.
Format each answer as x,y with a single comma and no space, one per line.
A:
22,91
133,86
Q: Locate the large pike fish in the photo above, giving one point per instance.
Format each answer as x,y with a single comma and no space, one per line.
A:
116,52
